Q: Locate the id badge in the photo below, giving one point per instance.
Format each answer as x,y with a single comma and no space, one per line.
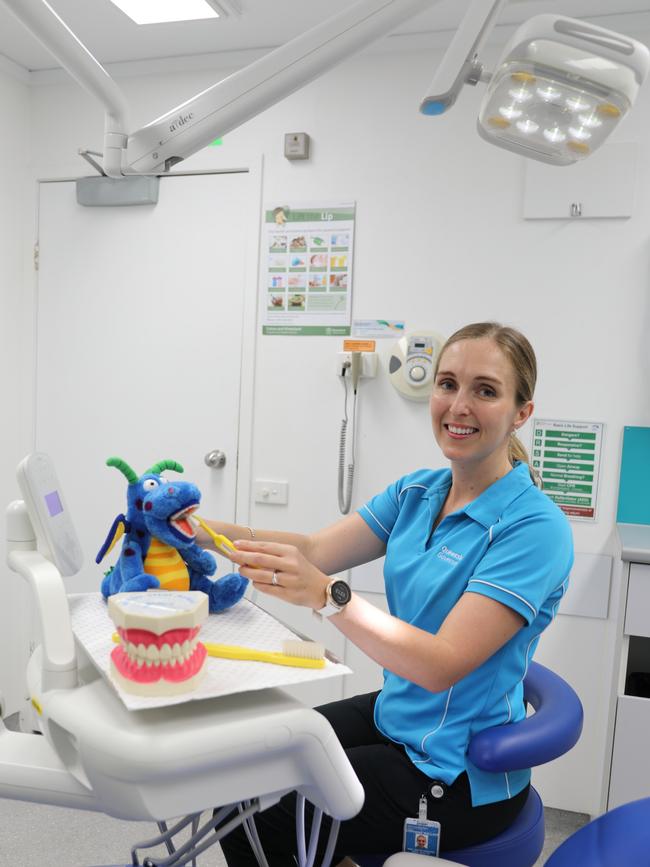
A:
421,836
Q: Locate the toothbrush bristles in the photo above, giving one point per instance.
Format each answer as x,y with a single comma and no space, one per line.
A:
303,649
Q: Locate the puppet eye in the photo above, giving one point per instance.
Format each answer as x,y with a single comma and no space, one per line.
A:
149,484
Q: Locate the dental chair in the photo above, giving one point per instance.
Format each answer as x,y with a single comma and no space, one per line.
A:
619,837
552,730
241,752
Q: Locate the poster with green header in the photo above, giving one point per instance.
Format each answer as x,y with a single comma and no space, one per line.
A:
306,270
566,454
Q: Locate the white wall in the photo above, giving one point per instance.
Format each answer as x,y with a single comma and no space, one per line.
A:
440,241
15,192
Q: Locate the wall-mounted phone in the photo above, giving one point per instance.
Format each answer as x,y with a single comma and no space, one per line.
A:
412,363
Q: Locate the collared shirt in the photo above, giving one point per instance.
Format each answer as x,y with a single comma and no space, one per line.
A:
511,543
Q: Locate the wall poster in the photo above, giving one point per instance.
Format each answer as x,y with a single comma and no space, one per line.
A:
567,456
306,283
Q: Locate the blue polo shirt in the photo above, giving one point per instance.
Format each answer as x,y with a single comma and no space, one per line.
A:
513,544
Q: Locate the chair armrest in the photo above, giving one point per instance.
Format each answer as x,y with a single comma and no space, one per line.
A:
551,731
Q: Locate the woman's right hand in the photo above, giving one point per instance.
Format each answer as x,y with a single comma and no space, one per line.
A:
282,571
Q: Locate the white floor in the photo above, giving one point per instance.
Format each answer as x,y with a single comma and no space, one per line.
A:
34,835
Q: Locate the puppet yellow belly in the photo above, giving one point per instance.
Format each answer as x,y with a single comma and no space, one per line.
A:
167,565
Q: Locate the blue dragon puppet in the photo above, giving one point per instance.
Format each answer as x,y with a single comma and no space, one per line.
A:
159,548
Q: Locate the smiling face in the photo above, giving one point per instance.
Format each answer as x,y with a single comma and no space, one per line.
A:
474,407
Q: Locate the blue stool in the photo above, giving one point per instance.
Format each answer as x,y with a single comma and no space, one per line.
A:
620,837
551,731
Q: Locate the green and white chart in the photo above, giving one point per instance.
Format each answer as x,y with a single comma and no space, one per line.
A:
567,456
306,270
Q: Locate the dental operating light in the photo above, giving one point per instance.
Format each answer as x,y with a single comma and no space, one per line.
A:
559,90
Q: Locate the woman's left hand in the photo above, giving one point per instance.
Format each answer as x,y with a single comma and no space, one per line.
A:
282,571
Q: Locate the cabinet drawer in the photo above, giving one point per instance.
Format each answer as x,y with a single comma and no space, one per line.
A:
630,778
637,611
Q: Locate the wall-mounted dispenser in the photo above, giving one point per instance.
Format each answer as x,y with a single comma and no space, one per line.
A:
413,362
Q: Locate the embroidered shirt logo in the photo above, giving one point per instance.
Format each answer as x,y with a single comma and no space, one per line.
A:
449,556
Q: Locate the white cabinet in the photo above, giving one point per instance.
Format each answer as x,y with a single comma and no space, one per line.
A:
602,186
630,767
637,610
630,777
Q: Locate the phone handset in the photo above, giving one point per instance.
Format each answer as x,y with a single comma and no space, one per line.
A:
351,368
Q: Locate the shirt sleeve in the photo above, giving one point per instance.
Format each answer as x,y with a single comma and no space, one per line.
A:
529,560
380,512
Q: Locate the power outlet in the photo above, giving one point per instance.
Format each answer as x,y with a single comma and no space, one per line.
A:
368,364
272,493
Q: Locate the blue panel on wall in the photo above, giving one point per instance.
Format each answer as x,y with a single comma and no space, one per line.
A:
634,487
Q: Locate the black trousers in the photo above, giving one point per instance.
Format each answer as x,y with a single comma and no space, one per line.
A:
393,787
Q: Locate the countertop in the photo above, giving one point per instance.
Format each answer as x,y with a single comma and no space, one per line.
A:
635,542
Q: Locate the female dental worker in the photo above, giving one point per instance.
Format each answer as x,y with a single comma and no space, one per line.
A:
476,563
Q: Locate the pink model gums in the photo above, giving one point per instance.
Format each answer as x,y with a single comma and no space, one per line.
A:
144,657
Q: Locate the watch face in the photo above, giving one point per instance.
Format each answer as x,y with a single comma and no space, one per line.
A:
341,593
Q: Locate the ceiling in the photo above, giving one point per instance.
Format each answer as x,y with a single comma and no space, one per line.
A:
112,37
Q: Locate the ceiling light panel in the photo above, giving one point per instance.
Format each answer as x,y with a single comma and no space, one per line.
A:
164,11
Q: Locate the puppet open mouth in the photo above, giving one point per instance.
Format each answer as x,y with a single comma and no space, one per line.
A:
167,663
181,522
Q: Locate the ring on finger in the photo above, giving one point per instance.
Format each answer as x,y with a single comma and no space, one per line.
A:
274,578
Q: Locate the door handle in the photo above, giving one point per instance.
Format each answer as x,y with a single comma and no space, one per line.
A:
216,459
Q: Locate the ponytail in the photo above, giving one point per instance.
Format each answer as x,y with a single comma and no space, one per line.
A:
517,452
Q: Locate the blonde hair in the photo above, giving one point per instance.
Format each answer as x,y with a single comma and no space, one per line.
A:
516,347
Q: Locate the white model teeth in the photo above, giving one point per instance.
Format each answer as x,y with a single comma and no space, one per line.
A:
173,655
460,430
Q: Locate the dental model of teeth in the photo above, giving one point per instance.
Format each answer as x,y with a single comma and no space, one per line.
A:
159,651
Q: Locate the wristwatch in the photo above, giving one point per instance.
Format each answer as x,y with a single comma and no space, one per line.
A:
337,596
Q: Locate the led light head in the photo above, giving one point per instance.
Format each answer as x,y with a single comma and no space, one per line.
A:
561,87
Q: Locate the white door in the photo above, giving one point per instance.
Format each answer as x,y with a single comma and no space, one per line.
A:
139,344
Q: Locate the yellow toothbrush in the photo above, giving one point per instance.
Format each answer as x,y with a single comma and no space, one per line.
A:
221,542
296,653
232,651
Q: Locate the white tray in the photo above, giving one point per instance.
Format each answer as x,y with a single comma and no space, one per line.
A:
245,624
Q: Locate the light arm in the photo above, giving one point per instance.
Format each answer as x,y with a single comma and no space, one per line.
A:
191,126
44,23
460,66
194,124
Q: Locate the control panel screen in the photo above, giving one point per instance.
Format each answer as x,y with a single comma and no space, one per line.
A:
53,503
